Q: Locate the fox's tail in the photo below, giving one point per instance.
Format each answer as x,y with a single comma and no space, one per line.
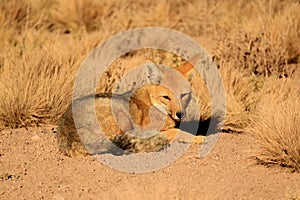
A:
131,143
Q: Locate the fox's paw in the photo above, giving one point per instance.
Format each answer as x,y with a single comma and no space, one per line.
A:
199,139
189,138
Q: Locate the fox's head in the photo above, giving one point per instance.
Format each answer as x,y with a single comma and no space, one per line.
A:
170,91
163,99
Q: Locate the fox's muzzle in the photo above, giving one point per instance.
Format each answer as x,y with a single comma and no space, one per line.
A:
180,115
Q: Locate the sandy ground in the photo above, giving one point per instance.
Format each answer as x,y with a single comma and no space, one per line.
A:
32,168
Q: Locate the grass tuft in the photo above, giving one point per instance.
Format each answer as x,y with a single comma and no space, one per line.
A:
276,124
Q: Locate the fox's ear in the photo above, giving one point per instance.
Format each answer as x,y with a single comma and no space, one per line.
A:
153,73
187,68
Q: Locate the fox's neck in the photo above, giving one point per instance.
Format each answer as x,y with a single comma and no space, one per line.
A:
140,104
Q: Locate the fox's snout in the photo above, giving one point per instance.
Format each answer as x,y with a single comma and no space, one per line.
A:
174,113
180,115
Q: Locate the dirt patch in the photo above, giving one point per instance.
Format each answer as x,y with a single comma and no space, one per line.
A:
32,168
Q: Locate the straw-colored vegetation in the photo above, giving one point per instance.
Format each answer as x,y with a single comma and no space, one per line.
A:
276,124
256,45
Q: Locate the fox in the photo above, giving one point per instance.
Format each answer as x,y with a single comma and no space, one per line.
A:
141,119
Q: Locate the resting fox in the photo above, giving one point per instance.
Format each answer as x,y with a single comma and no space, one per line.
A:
143,121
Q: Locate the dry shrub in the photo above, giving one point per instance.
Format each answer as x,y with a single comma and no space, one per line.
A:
275,126
241,97
23,14
34,87
264,46
110,77
75,16
191,17
207,17
203,97
37,77
85,15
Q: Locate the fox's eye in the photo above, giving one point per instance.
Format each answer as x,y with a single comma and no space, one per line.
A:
166,97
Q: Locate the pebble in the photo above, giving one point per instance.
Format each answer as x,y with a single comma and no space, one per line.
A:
35,138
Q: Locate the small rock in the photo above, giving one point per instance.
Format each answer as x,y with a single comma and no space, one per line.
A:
36,138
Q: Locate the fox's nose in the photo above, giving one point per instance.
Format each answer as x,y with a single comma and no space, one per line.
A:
180,115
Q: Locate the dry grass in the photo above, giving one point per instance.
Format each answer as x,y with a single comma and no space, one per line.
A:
37,75
44,42
267,45
33,85
276,124
241,97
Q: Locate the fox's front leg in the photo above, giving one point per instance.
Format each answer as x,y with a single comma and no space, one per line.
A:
170,133
182,136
